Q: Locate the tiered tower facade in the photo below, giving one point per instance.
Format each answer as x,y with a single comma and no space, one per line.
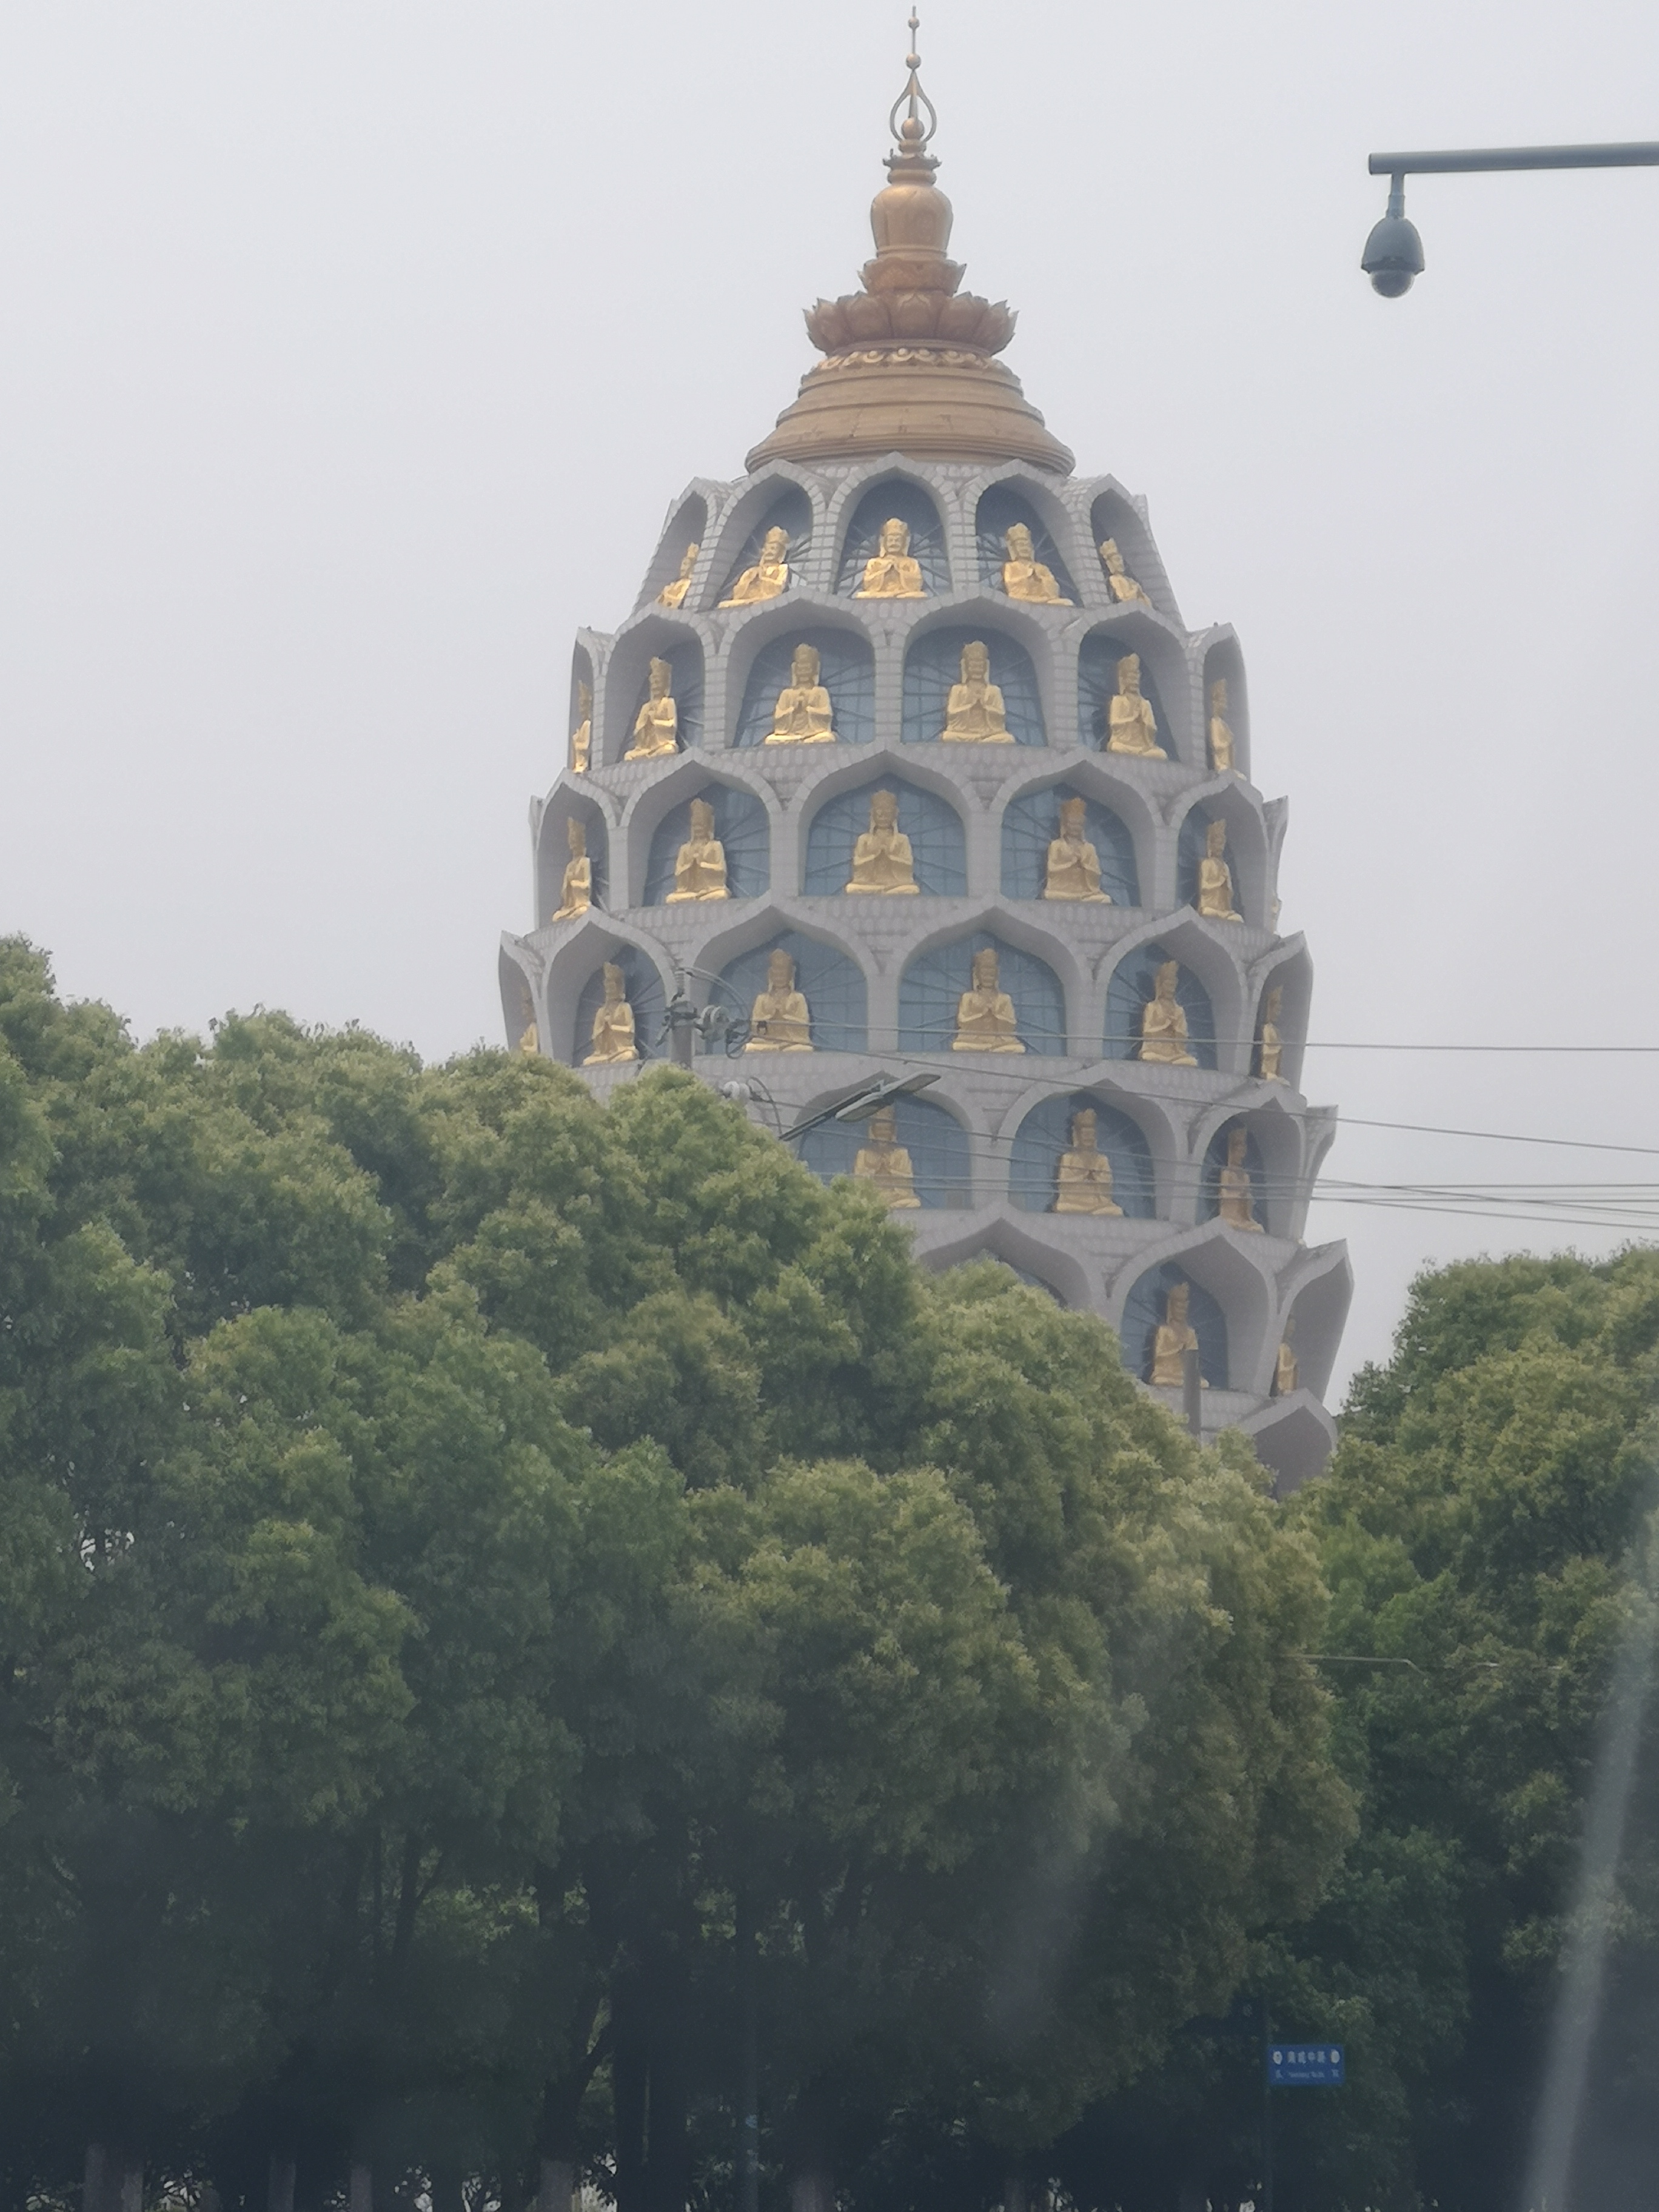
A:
1211,1148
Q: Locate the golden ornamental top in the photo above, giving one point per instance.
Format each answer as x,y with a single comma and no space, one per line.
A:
909,366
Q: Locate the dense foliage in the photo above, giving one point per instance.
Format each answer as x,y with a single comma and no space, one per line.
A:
506,1607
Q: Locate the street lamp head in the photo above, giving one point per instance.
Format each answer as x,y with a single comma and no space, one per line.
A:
1394,252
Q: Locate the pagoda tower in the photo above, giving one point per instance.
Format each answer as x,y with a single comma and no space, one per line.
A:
906,767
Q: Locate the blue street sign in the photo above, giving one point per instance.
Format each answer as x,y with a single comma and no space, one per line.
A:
1304,2065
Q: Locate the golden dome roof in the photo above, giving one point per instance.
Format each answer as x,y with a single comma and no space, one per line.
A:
909,363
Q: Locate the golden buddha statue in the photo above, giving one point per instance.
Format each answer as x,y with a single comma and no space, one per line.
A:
1122,584
1235,1203
1083,1184
779,1020
1269,1045
1073,868
582,737
1287,1373
1175,1337
673,595
576,891
803,715
613,1023
1131,724
530,1043
973,713
885,1163
881,858
657,725
1023,576
700,864
1163,1023
1221,736
769,578
984,1013
1215,878
891,572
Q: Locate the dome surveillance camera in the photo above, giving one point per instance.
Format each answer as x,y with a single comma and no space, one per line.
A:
1393,256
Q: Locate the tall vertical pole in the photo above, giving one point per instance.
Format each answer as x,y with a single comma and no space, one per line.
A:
1192,1397
1267,2114
748,2060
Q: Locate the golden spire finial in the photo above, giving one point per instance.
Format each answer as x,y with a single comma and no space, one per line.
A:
912,138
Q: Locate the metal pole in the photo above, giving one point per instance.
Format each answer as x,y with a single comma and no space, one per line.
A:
1192,1394
748,2062
1267,2114
1634,154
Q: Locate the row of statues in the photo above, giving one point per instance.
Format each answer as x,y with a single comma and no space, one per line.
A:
892,572
780,1020
1083,1178
976,712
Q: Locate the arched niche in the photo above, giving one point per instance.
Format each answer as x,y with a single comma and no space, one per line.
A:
1046,1133
1133,984
935,979
940,1157
838,1001
999,508
1031,823
1292,978
986,1257
554,853
628,685
1244,855
1143,1308
933,664
787,509
1215,1158
581,702
895,498
688,527
847,670
938,844
742,828
1225,663
1096,686
1115,515
641,988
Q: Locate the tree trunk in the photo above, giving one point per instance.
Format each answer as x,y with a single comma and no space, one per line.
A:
812,2190
668,2159
114,2179
627,2109
1020,2193
748,1978
555,2186
447,2192
360,2195
1191,2198
279,2184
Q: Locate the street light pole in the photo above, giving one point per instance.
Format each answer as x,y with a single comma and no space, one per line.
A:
1394,252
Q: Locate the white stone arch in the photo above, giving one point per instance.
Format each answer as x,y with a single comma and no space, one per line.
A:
1144,631
1240,1279
861,764
578,957
579,797
991,616
1278,1134
1248,856
686,522
653,633
999,1235
847,496
890,1066
1201,946
1094,775
999,917
1059,518
753,629
754,496
1286,967
519,971
1162,1129
1115,513
1214,652
690,773
1315,1289
1293,1437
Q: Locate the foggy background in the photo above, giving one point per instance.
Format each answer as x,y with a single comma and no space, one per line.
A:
351,354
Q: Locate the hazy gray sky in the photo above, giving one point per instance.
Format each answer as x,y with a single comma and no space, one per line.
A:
350,356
